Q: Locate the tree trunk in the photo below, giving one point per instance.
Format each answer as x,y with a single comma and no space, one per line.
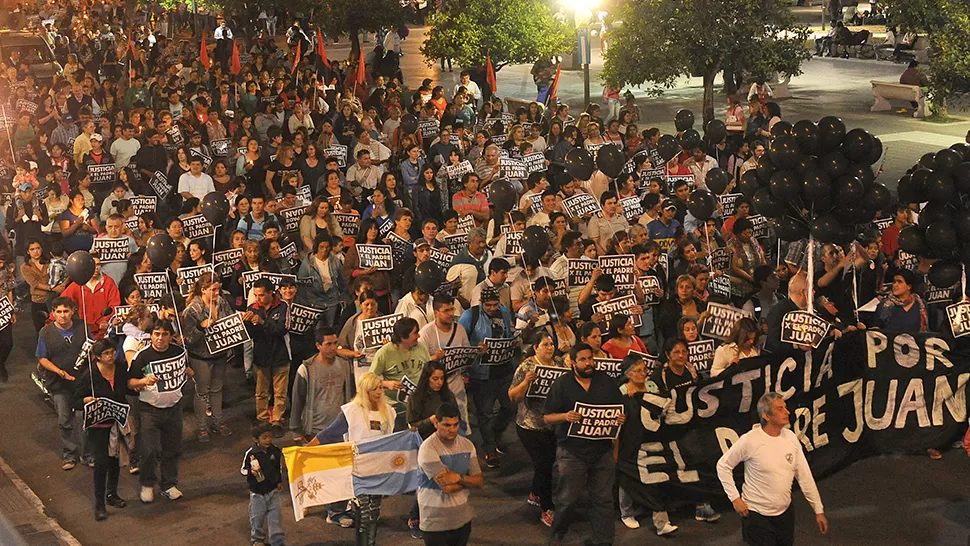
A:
709,73
354,35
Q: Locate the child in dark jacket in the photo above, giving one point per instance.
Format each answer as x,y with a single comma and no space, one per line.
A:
262,467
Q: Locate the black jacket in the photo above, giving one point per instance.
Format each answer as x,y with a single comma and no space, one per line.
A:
262,468
269,345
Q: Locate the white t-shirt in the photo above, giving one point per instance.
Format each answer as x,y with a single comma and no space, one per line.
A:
198,186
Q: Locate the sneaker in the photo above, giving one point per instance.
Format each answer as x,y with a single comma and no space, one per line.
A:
203,437
631,522
278,431
343,520
89,462
705,512
100,514
133,469
533,500
172,493
491,460
147,494
666,529
223,430
415,526
116,501
68,464
546,518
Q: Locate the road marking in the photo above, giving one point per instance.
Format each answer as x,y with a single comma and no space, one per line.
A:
921,137
33,499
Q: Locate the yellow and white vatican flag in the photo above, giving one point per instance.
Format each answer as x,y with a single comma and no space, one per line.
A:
319,475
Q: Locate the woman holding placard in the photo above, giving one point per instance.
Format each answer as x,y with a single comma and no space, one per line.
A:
103,379
537,437
623,338
354,274
741,344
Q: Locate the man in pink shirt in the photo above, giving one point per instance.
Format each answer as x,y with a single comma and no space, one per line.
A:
470,201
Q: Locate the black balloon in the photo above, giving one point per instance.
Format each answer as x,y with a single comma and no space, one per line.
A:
806,133
835,164
941,236
161,250
945,273
912,240
429,277
765,204
717,180
667,147
790,229
862,171
535,241
781,128
805,163
716,131
934,212
876,153
80,267
610,160
748,183
766,168
857,144
825,228
961,176
928,160
215,208
784,152
905,190
963,148
702,204
961,222
502,194
939,187
831,131
877,197
849,189
785,186
579,163
946,160
853,213
683,120
690,140
918,182
816,184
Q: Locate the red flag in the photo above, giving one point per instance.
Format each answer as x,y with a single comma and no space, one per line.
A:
235,65
299,53
361,70
490,75
204,55
320,50
131,44
555,84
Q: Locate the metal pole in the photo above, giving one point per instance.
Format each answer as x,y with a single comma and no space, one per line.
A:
586,71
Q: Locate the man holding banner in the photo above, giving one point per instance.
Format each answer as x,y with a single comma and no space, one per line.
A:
773,459
586,408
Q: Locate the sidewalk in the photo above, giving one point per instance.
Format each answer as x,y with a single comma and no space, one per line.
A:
24,518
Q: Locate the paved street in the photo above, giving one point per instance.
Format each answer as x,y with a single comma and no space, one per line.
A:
901,500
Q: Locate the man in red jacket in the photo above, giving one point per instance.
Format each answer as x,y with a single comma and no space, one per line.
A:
99,293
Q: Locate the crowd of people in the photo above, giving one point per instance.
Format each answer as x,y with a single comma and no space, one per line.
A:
323,168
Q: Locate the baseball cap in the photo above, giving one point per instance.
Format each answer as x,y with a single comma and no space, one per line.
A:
67,118
422,242
32,166
25,186
98,137
669,204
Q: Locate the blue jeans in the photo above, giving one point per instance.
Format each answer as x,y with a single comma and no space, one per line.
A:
594,479
492,424
266,508
72,443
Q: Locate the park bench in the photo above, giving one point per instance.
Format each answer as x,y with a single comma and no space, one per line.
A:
884,92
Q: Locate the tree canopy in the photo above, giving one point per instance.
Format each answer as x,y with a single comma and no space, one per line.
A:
510,31
662,40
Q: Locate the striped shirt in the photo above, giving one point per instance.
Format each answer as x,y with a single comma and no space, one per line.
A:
442,511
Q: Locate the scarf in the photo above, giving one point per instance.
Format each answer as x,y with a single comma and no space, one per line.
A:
924,323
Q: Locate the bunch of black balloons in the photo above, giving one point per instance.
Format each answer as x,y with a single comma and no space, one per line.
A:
817,179
942,181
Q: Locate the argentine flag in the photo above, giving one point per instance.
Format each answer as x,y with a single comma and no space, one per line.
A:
387,465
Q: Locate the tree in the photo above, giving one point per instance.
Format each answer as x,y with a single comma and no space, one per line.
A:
662,40
946,24
510,31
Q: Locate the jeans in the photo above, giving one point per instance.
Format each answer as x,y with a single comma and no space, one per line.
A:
247,349
541,447
67,423
160,428
134,423
266,508
267,377
209,378
368,512
39,312
106,468
758,530
491,424
454,537
593,479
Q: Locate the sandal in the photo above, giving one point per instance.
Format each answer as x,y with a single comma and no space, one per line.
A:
934,454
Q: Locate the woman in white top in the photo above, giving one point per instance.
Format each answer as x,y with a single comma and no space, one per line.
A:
742,343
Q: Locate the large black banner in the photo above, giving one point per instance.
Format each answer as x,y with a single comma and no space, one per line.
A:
866,394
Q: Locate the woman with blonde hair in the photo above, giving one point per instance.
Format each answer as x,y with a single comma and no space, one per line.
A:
741,344
203,307
367,416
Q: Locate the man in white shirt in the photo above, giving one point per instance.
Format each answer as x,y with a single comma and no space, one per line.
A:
379,153
474,91
417,305
195,183
773,458
699,164
363,174
125,148
498,274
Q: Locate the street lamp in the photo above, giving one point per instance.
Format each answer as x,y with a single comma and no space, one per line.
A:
583,11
